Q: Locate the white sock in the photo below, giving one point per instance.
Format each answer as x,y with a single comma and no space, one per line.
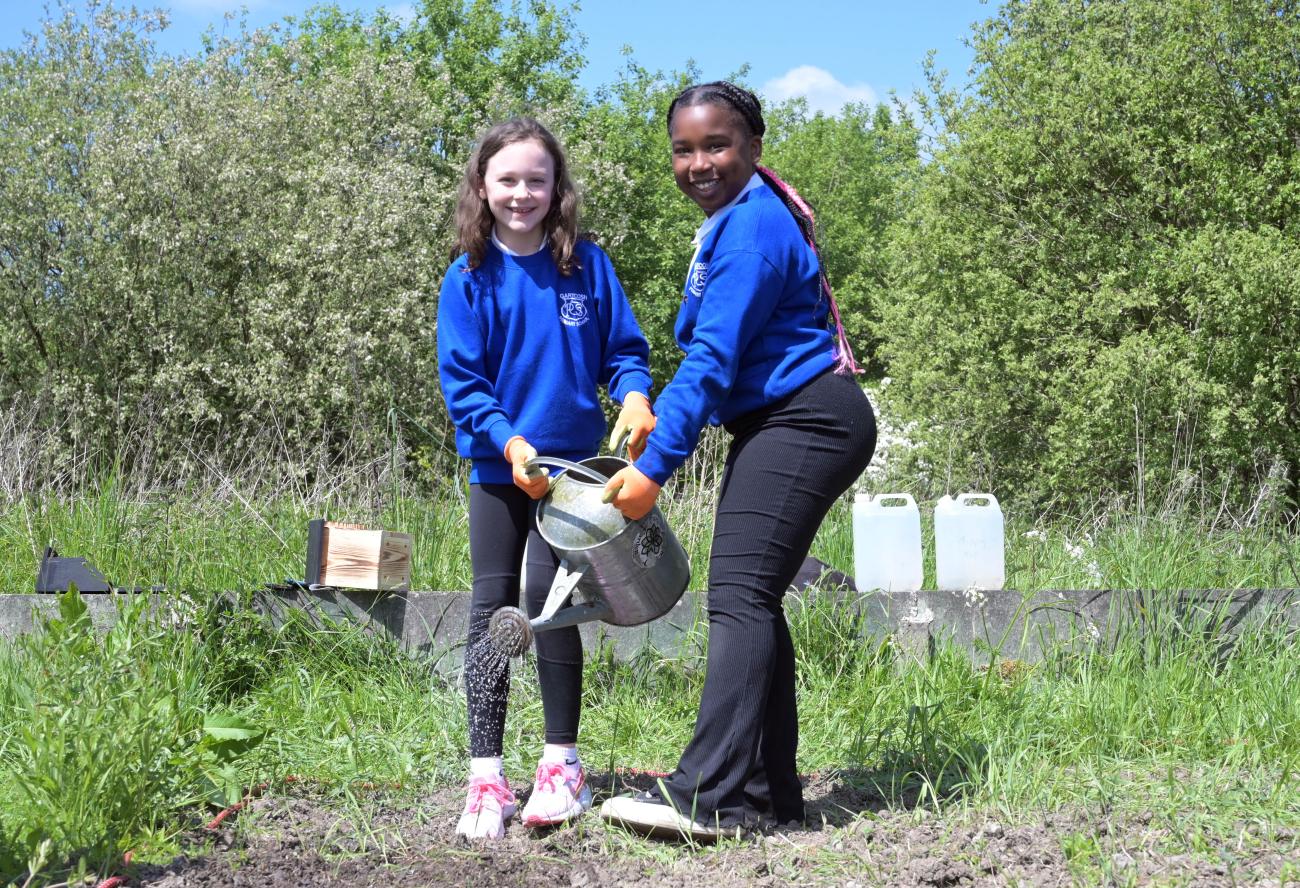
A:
488,766
565,755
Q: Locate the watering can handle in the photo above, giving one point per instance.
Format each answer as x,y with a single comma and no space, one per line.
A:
532,466
622,441
622,435
564,464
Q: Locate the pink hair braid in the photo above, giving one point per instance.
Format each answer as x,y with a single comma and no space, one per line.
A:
845,365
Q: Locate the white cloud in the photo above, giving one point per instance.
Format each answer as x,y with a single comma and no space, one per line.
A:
820,87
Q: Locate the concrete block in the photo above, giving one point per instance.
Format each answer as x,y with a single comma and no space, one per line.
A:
1001,624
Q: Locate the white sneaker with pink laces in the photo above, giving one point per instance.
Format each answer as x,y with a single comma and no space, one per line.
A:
489,803
560,792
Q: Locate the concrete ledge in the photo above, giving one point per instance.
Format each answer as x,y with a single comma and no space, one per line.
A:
1023,626
434,624
1004,623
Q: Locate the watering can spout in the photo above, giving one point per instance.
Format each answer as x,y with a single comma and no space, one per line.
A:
512,632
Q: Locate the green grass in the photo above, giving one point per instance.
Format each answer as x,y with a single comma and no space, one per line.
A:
118,741
106,747
227,539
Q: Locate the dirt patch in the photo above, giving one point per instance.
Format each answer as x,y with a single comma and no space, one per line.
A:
852,839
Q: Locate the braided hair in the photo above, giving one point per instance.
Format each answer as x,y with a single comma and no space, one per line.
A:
735,98
747,108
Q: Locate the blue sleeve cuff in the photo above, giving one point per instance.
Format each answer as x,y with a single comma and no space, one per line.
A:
632,382
657,466
499,433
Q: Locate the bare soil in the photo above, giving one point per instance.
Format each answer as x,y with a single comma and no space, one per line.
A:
853,838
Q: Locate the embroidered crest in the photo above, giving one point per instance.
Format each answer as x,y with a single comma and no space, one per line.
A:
649,543
573,309
699,274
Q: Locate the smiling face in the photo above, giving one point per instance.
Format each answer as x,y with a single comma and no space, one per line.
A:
518,185
713,154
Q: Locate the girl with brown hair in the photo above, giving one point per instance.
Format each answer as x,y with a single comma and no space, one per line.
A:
531,321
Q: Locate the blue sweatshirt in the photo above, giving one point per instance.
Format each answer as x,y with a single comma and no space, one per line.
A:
523,349
752,324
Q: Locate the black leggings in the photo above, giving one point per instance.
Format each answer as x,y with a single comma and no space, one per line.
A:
787,465
502,519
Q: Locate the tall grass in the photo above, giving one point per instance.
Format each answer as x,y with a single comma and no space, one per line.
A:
228,533
120,740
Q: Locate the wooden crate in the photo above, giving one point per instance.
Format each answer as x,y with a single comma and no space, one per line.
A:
354,557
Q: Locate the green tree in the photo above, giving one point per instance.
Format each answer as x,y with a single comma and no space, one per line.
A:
252,239
214,246
1098,286
855,168
632,205
479,61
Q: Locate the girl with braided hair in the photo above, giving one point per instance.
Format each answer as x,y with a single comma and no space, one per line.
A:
762,361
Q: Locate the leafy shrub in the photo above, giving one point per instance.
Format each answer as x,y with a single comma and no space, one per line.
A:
1097,287
108,736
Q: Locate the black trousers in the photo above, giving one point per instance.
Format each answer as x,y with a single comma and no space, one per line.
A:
787,465
502,524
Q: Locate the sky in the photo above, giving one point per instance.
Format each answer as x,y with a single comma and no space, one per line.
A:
829,51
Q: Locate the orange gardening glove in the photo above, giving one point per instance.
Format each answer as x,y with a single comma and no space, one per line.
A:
534,482
635,422
631,492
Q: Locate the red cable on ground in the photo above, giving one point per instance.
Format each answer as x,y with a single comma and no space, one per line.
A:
117,881
226,812
261,787
252,794
640,772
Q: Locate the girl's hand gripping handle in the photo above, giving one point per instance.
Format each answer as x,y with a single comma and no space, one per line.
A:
635,423
528,476
631,492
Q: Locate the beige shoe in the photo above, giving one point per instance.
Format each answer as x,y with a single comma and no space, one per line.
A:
649,814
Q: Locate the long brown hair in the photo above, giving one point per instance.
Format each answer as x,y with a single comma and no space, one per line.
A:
474,218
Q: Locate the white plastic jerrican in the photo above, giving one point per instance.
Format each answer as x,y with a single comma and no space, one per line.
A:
968,545
886,542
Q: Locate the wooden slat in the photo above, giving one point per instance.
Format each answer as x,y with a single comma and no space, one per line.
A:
356,558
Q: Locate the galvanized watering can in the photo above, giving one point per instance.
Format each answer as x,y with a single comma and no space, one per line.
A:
613,569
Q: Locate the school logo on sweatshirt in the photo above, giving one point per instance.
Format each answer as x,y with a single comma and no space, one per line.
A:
699,274
573,309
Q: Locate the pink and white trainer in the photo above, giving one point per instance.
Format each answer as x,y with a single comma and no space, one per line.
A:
489,803
560,792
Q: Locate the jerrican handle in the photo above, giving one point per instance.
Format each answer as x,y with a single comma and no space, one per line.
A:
883,498
965,498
